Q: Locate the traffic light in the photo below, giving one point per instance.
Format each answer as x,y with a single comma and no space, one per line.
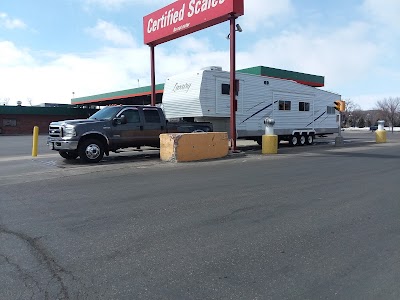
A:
340,105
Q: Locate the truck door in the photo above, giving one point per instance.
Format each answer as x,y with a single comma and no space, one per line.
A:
154,125
130,134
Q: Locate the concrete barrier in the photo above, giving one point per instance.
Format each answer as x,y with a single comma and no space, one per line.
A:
185,147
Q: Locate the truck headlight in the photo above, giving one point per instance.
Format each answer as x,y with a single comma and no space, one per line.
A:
69,131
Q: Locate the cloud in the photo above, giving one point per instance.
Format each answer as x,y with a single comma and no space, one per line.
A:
343,55
112,33
385,12
11,56
54,78
10,23
117,4
262,13
340,55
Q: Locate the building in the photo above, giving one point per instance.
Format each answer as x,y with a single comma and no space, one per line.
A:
16,120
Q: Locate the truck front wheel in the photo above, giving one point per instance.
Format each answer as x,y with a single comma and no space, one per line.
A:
91,151
68,155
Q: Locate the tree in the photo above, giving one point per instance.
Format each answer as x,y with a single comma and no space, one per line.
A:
390,109
348,113
361,122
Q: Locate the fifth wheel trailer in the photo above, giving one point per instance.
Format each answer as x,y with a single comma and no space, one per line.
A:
300,111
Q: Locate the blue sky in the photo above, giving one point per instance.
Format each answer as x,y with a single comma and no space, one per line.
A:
51,50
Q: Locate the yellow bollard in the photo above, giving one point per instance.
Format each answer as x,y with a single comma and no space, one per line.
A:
35,141
269,144
380,136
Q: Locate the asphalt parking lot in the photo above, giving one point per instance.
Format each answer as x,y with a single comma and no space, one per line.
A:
317,222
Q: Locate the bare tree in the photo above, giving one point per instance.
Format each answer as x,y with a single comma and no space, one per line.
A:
390,109
348,113
355,116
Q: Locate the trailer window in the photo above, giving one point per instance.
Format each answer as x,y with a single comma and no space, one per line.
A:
304,106
330,110
151,116
226,89
285,105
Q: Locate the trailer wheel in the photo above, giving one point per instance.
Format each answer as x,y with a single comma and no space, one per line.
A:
302,140
91,151
294,140
310,139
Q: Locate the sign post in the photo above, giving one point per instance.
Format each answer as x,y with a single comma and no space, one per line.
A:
153,76
233,82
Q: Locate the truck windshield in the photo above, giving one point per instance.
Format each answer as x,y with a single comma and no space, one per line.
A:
106,113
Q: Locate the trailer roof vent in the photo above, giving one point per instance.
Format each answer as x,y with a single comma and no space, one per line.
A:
212,68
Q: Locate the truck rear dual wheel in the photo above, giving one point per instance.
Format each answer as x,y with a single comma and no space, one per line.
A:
91,151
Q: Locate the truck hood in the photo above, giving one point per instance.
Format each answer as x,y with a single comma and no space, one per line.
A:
78,122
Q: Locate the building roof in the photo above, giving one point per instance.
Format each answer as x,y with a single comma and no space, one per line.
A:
47,111
141,94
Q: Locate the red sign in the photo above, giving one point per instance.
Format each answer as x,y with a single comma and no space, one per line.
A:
187,16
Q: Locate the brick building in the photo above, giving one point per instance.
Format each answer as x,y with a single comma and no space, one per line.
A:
21,119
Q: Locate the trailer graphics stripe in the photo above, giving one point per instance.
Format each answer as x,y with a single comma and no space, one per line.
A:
269,105
255,106
316,119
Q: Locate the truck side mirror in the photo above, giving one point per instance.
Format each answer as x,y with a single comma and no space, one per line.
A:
123,119
120,120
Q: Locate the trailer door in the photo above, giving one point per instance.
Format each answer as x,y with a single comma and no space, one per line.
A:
223,99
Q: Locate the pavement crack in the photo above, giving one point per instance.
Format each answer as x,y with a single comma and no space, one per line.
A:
42,255
25,276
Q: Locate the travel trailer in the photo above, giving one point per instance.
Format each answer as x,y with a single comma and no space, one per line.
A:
300,111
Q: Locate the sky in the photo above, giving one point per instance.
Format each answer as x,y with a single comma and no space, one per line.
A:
54,50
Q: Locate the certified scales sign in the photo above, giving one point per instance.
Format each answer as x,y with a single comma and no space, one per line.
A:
187,16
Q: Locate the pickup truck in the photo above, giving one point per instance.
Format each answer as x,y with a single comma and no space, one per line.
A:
113,128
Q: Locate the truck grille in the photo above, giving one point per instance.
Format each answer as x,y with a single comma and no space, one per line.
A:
55,131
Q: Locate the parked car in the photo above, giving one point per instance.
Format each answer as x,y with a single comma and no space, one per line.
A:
373,128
